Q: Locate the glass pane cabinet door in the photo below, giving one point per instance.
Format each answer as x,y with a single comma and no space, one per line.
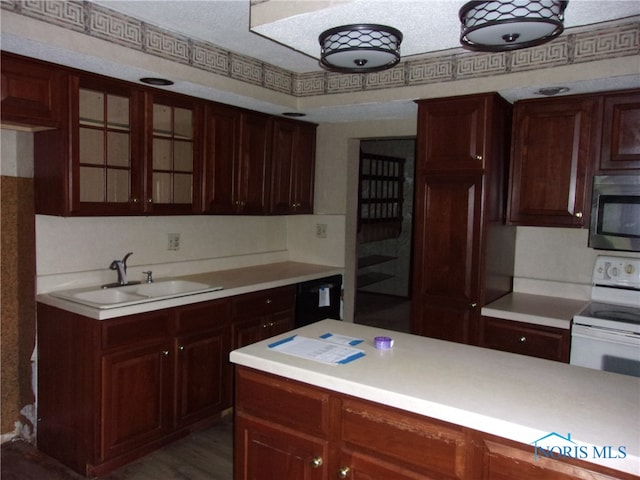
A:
173,155
104,151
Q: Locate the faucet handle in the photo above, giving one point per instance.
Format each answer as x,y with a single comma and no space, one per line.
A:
149,277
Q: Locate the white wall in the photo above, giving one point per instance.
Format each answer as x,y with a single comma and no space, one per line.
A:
556,261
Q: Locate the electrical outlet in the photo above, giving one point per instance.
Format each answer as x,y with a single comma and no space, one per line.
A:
321,230
174,241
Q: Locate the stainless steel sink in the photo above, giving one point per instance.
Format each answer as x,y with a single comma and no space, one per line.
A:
103,298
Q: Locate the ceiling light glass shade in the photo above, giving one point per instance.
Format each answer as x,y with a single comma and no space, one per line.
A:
359,48
496,26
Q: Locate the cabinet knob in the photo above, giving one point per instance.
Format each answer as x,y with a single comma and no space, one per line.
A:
181,348
134,200
473,305
165,353
522,339
343,472
268,301
578,214
316,462
149,200
478,157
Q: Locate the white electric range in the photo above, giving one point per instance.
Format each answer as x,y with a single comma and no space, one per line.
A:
605,335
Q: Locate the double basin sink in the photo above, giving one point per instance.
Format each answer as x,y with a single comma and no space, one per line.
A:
102,298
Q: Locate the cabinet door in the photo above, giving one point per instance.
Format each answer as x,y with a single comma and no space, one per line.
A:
174,163
452,133
202,374
107,147
293,162
222,141
252,171
304,171
32,92
282,157
552,159
621,133
136,386
265,451
447,252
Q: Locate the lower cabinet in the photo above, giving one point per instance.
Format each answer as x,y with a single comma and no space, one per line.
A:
525,338
110,391
291,431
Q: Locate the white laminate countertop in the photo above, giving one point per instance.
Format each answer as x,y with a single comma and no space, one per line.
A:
536,309
512,396
234,282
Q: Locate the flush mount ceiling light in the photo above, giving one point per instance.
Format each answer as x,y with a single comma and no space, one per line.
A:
359,48
157,82
495,26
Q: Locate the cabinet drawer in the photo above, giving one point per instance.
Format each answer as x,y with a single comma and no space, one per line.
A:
200,316
412,440
282,401
138,329
264,302
525,339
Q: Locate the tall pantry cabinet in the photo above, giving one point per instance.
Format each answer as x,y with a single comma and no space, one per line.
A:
463,250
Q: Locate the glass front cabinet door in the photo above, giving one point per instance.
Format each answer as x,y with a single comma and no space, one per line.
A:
106,173
136,150
173,177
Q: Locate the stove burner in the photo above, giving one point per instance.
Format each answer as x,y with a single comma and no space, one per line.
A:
612,312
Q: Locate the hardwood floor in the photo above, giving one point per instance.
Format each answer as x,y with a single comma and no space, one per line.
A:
203,455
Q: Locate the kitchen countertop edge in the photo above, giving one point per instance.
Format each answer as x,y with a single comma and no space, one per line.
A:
234,282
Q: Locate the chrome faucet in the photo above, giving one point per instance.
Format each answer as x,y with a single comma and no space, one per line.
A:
121,267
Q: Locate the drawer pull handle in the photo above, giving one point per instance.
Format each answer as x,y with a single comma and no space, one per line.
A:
316,462
522,339
343,472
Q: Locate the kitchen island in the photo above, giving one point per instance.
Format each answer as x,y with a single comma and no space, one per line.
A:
493,413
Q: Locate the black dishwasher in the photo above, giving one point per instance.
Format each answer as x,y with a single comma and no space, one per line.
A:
318,299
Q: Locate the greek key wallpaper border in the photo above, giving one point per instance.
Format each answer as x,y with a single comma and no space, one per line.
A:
100,22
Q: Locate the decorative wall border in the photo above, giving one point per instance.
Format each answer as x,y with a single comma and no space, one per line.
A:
100,22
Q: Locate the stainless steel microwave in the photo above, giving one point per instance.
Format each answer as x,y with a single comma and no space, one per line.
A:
615,213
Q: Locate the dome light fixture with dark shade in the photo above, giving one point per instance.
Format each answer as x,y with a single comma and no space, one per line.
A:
496,26
359,48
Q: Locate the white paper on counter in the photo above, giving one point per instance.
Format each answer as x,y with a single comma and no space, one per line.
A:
318,350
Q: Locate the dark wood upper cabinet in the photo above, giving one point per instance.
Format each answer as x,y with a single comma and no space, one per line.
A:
108,147
122,150
236,166
222,137
293,161
553,152
620,151
452,138
33,93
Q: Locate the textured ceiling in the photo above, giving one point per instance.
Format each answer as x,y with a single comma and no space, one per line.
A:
292,42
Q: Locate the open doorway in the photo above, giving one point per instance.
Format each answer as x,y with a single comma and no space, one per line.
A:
385,220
